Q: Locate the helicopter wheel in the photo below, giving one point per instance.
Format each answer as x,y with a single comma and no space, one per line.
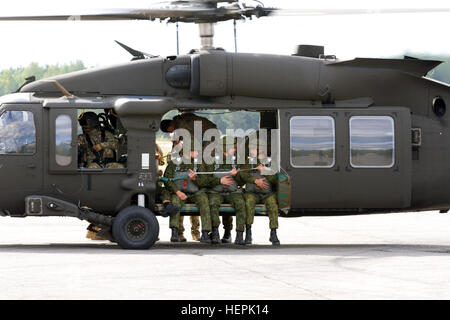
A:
135,228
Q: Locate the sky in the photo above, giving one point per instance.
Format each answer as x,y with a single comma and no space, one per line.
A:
346,36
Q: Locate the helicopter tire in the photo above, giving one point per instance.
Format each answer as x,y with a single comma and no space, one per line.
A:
135,228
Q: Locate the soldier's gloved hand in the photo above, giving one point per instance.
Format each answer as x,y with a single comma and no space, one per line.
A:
261,183
169,209
97,147
181,195
226,181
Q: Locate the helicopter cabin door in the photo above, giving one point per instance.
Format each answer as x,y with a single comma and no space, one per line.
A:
347,158
20,155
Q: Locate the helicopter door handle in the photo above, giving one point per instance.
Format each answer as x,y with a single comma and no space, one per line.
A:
31,166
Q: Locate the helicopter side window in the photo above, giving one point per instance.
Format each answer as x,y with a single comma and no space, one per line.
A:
312,142
372,142
63,140
17,133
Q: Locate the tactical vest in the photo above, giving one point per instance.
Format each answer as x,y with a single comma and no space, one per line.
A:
220,188
251,187
186,185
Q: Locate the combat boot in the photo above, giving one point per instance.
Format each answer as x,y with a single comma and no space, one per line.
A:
248,234
196,236
215,236
239,238
169,209
174,237
273,237
226,236
181,237
205,237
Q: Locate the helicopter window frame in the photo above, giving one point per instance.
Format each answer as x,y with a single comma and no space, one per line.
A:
332,136
392,142
33,121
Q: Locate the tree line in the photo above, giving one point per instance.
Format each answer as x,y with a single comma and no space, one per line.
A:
11,79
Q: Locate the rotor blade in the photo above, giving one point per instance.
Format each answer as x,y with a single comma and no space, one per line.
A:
324,12
118,14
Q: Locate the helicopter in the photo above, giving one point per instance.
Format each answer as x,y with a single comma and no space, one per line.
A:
357,136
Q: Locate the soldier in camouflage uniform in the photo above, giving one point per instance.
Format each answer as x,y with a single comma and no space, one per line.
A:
231,194
162,194
97,146
260,188
186,187
186,121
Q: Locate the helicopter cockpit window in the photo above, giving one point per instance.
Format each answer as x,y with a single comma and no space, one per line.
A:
101,140
372,142
312,142
17,133
63,140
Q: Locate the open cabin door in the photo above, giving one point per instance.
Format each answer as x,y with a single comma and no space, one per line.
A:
347,158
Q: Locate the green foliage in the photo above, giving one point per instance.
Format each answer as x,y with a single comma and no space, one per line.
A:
11,79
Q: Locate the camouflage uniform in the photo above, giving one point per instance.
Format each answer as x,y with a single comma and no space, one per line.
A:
186,121
254,195
198,197
105,158
232,194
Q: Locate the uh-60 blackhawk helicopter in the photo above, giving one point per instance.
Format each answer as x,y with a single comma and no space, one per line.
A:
355,137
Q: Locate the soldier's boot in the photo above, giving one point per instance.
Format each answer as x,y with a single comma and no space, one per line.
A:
215,236
181,237
169,209
92,233
205,237
174,237
273,237
248,234
239,238
226,236
196,235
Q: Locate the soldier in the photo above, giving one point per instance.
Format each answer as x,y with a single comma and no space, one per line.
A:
259,188
188,187
97,147
231,194
162,194
186,121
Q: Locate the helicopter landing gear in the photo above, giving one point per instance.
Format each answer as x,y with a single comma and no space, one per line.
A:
135,228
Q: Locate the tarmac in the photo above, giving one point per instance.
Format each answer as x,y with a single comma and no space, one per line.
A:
394,256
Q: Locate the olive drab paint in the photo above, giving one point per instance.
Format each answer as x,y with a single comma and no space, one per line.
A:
290,89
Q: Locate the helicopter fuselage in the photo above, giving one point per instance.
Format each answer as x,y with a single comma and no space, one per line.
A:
383,123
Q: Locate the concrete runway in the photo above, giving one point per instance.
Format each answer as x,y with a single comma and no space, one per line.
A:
396,256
